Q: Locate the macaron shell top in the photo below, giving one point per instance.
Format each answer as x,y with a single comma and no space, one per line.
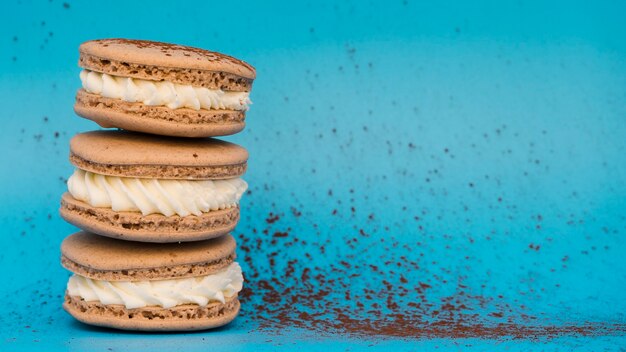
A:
130,154
162,61
103,258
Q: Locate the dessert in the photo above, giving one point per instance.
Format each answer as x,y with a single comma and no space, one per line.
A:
150,188
151,286
162,88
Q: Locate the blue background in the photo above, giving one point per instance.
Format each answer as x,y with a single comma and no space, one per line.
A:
489,138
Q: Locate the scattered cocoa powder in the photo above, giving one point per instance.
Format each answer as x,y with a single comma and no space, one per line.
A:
363,296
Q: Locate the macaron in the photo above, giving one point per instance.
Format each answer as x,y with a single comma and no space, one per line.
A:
162,88
150,188
148,286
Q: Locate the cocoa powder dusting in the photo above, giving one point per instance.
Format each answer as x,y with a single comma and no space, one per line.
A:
172,49
376,297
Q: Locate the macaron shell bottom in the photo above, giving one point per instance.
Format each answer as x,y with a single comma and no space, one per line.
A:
159,120
133,226
186,317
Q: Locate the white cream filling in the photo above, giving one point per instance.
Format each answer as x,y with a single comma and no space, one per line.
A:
200,290
162,93
155,196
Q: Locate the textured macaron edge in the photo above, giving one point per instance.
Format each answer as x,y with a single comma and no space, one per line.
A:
158,228
185,317
160,120
217,118
163,61
194,77
180,271
219,172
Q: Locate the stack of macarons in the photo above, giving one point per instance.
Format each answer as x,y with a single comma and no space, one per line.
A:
156,198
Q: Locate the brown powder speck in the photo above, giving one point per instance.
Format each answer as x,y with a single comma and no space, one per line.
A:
272,218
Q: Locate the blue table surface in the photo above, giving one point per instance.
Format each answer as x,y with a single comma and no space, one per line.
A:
464,158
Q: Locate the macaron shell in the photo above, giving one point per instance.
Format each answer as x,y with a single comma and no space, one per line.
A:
187,317
166,55
130,154
159,120
156,228
105,254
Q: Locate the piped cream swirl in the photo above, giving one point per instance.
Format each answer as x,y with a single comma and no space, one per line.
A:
162,93
155,196
164,293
